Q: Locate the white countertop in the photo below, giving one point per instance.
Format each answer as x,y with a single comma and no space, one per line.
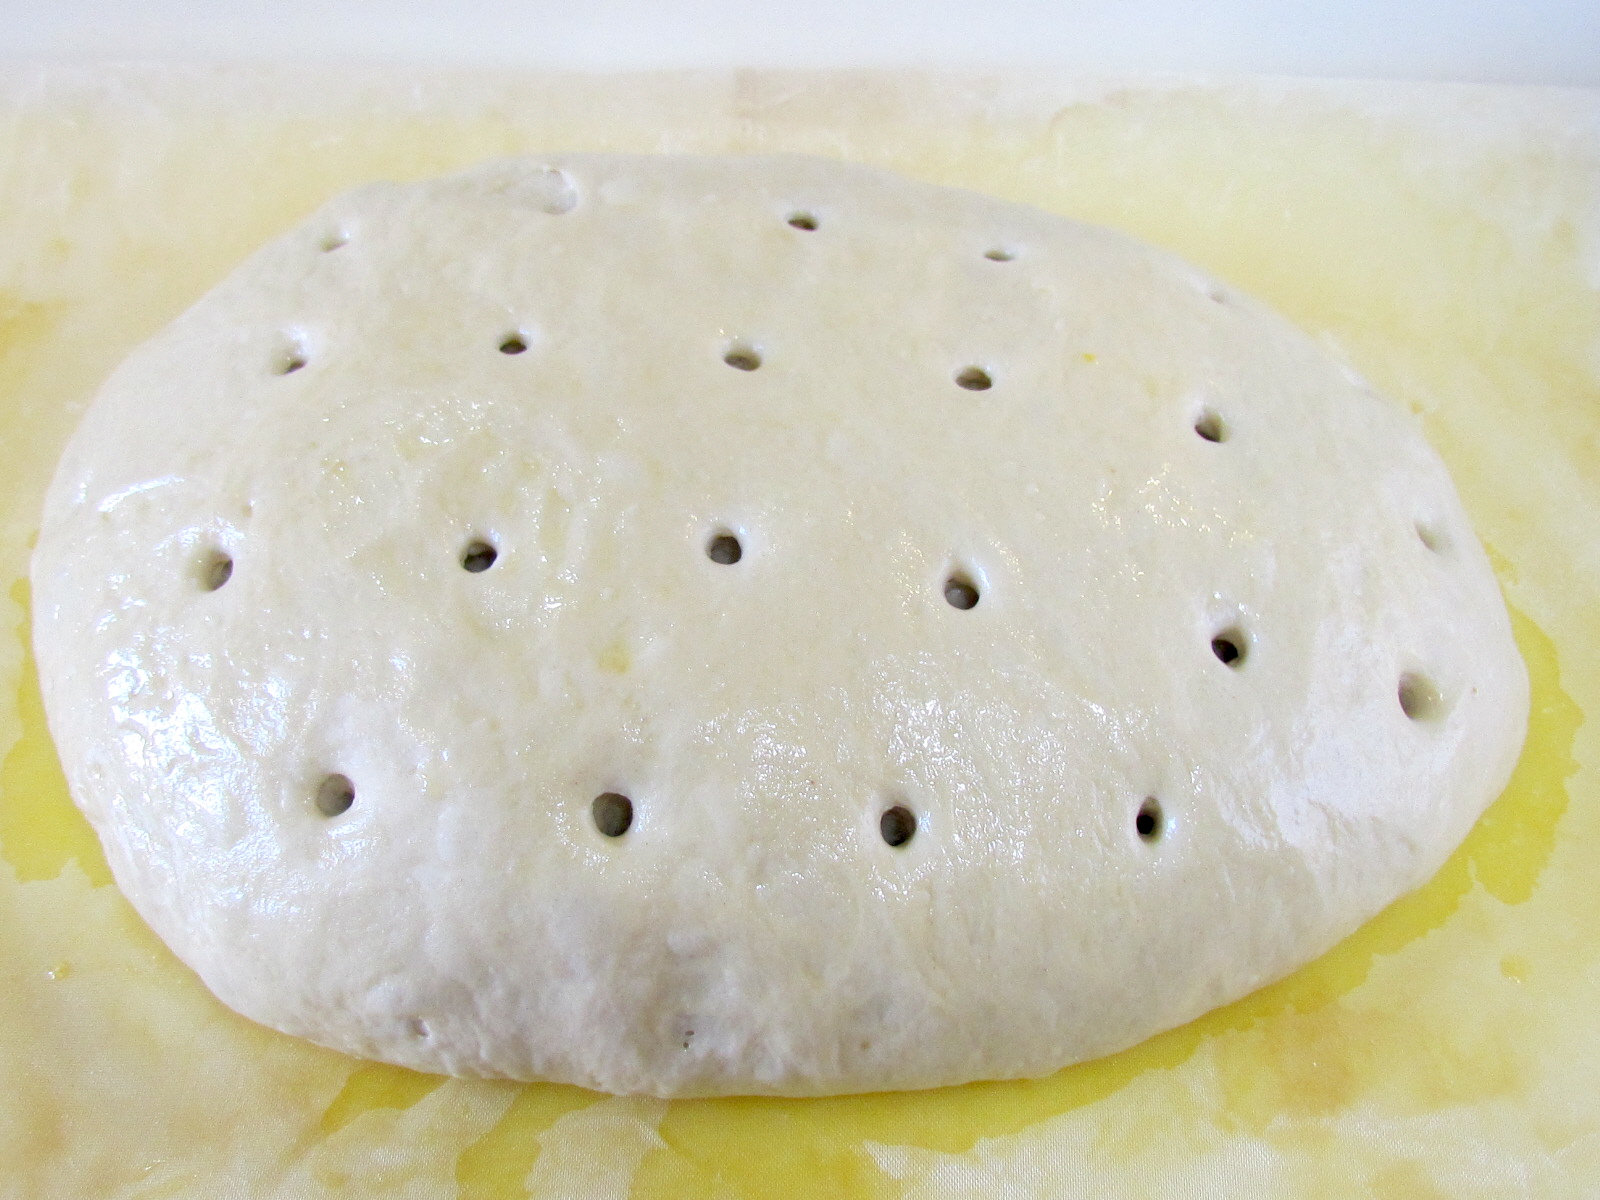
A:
1499,41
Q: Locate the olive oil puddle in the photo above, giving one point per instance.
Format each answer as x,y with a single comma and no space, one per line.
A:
41,830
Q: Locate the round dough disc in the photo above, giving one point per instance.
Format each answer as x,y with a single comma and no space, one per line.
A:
704,626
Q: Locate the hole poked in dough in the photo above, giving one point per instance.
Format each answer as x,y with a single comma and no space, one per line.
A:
478,556
725,549
897,825
513,343
1149,821
1420,698
289,360
742,356
1000,254
961,591
613,813
216,568
805,221
974,379
1210,425
1230,646
1431,536
335,795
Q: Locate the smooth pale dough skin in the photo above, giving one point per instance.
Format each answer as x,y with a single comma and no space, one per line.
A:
752,931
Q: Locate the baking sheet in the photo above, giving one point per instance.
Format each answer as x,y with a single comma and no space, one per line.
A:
1443,239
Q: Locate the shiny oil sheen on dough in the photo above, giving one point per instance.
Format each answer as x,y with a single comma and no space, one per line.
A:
1219,582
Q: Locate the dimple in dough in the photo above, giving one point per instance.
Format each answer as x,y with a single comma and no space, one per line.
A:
707,626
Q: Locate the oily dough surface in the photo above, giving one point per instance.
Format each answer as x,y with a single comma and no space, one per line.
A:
1238,673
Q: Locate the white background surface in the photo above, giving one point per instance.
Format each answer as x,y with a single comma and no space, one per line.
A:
1537,41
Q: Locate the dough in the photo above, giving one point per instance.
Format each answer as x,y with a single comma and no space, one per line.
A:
706,626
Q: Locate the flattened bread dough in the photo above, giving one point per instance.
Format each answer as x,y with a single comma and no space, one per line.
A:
809,509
